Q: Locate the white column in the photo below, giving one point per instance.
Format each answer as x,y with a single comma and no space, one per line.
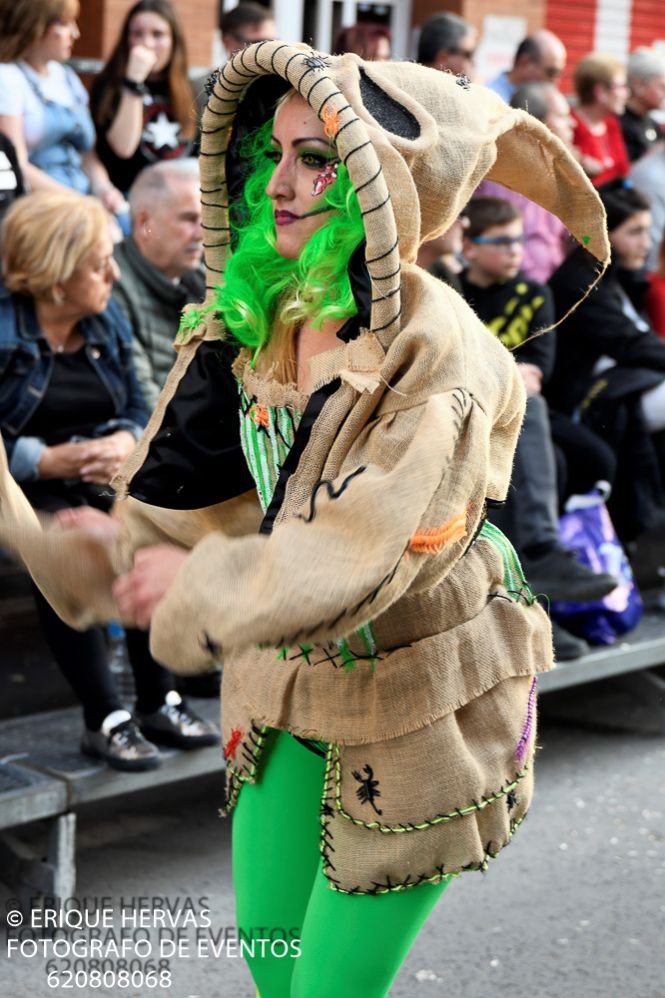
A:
288,18
349,13
613,27
401,28
323,37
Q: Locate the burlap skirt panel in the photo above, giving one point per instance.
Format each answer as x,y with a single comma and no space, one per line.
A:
430,761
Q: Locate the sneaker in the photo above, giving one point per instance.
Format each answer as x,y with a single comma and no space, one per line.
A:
120,743
567,646
176,725
559,575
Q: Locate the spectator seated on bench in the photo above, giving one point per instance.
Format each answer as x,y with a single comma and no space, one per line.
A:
610,364
514,308
160,265
70,411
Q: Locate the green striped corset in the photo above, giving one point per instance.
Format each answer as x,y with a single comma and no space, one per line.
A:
266,435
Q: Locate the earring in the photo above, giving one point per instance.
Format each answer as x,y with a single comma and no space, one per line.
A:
58,296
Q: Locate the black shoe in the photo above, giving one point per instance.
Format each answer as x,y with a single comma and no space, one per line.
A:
566,645
559,575
121,745
174,724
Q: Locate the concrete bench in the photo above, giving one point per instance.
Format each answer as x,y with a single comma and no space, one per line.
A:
44,776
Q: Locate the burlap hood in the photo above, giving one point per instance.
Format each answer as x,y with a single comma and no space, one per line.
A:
416,141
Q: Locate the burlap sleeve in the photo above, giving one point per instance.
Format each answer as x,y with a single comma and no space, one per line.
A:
410,494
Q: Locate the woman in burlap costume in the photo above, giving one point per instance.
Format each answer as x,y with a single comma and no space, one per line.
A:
380,644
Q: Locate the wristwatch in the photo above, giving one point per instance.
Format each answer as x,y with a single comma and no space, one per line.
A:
139,89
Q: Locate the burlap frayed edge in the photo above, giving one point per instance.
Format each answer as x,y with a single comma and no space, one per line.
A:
333,764
399,731
265,388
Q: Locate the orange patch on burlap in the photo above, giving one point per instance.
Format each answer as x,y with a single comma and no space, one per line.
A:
431,541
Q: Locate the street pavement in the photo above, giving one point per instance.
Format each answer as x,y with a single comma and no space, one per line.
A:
573,908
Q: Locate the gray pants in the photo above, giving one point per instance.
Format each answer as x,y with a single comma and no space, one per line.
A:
530,514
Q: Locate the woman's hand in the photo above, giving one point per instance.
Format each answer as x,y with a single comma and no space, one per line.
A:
140,63
138,592
62,461
532,377
89,519
112,199
102,457
591,165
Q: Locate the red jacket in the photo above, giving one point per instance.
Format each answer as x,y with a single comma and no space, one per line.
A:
609,149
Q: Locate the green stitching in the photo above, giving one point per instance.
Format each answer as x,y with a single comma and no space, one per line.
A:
349,660
514,581
347,655
435,878
439,819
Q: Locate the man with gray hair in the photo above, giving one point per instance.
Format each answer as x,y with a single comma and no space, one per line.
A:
646,78
160,265
447,42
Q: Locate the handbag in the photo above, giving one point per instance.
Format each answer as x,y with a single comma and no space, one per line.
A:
586,529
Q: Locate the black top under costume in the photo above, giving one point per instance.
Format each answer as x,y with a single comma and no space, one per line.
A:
514,310
160,137
640,133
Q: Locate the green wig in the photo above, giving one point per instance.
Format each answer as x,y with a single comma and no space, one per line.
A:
260,286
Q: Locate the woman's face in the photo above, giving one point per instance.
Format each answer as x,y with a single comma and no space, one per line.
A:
153,32
305,165
88,290
613,96
631,241
58,40
382,53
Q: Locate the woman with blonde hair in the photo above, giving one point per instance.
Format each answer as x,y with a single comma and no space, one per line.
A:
44,105
602,90
142,99
70,411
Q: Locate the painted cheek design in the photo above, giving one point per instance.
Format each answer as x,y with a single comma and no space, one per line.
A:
325,177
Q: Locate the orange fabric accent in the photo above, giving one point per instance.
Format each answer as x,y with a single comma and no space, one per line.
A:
431,541
330,119
260,415
232,744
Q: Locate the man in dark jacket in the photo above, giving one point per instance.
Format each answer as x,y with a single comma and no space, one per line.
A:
160,265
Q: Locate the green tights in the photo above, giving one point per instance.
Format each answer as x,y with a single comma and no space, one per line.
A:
351,945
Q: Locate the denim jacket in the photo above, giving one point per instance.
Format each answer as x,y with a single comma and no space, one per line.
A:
26,362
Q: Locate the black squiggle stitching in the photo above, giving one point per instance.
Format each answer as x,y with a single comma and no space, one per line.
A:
326,484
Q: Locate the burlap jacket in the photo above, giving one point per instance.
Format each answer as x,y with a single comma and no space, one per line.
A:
369,608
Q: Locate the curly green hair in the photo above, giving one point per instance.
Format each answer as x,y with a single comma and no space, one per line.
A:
260,286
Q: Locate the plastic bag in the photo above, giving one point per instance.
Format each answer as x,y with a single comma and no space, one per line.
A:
586,529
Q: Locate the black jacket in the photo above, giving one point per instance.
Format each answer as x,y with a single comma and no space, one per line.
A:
599,327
